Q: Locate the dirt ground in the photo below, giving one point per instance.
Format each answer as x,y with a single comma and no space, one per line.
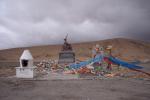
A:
106,89
82,89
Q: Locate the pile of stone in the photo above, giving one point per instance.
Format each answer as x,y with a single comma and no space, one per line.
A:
45,66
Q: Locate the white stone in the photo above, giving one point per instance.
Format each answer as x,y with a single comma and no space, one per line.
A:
26,56
26,69
25,72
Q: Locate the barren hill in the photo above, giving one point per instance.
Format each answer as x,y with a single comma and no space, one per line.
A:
125,49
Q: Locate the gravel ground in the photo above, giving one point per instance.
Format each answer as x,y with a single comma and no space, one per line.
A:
106,89
103,89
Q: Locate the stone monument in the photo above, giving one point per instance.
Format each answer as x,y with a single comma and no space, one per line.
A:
26,69
66,55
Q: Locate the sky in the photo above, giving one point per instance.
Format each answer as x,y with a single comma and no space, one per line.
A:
41,22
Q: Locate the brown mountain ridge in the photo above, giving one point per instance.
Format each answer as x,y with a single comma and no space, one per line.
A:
125,49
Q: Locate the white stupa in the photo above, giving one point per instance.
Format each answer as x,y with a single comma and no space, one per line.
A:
26,69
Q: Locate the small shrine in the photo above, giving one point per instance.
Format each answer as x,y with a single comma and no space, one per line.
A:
66,54
26,69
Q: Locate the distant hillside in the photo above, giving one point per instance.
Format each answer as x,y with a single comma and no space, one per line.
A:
125,49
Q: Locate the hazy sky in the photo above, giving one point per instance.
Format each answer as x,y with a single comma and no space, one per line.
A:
37,22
